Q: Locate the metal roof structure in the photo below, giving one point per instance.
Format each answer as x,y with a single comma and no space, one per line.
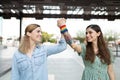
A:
86,9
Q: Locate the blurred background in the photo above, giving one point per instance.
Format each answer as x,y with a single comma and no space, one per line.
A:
15,15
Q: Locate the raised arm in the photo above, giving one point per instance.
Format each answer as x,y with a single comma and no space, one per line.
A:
62,25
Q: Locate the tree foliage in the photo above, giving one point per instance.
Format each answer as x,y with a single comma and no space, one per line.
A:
47,37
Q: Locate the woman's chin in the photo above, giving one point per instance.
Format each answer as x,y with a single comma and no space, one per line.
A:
89,41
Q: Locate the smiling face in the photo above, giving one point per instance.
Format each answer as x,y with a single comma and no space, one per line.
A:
36,34
91,35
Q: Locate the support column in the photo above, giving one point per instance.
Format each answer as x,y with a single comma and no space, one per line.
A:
1,38
20,34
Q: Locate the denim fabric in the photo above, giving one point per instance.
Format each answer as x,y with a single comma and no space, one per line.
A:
34,68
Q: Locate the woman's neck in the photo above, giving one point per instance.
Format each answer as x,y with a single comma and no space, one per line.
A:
95,47
31,48
32,44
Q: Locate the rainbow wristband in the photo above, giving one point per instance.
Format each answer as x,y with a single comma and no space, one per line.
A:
63,29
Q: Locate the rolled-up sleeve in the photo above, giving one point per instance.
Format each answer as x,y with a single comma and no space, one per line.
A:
56,48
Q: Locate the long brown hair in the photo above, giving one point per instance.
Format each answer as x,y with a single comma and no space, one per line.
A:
103,52
25,42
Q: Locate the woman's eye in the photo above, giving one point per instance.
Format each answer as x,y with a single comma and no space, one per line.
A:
38,31
90,32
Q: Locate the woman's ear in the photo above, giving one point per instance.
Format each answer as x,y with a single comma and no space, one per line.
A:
28,34
99,33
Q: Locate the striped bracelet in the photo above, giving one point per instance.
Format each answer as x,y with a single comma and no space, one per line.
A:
63,29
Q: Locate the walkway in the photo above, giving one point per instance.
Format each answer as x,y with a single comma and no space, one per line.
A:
63,66
5,59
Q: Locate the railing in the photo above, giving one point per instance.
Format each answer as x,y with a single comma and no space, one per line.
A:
116,50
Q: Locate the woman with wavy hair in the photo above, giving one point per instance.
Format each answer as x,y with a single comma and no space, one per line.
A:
96,55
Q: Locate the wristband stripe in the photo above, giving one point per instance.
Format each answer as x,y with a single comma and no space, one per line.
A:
62,26
63,31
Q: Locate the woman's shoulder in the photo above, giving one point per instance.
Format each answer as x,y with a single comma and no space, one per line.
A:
83,49
18,54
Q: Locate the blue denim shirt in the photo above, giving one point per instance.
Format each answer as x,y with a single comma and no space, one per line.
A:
34,68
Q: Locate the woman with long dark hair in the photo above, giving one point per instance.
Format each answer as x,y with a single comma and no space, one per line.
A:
95,53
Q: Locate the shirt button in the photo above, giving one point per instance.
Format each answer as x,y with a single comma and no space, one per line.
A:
98,71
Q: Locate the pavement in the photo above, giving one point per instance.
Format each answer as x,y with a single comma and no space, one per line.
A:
5,59
66,65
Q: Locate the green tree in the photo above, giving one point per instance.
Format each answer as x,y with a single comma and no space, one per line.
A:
47,37
111,36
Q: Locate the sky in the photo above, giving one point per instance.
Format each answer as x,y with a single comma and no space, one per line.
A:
10,27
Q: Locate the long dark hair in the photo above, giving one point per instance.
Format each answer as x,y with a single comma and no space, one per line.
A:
103,52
